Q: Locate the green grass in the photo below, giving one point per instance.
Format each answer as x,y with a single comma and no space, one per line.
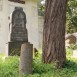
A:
9,67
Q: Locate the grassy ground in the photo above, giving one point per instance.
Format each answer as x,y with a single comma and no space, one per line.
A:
9,67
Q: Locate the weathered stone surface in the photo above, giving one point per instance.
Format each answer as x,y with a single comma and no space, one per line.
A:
14,48
70,39
26,58
18,27
18,31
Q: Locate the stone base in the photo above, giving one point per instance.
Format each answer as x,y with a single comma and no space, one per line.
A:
14,48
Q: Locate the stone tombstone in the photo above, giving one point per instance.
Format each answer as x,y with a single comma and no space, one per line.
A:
18,26
18,31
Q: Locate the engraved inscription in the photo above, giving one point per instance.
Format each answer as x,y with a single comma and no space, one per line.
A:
19,31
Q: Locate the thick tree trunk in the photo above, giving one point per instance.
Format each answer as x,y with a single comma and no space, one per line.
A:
26,57
54,32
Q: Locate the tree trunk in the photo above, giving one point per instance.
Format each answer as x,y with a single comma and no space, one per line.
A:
54,32
26,57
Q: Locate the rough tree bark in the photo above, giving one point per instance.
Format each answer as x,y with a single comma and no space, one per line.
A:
54,32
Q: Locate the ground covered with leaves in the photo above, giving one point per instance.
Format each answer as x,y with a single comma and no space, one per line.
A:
9,67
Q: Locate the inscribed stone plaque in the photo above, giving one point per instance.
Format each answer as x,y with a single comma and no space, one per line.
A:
18,28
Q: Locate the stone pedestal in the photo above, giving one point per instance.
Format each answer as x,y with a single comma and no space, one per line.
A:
14,48
26,58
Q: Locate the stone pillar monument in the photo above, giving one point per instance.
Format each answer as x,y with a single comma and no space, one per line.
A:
26,59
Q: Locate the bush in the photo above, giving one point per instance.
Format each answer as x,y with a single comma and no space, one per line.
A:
9,67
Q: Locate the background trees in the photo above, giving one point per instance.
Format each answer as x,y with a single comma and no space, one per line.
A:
71,25
71,15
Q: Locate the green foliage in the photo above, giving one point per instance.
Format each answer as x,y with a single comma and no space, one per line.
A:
71,25
73,47
71,15
9,67
41,10
69,52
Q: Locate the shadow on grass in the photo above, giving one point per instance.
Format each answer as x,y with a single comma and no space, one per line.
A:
72,65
